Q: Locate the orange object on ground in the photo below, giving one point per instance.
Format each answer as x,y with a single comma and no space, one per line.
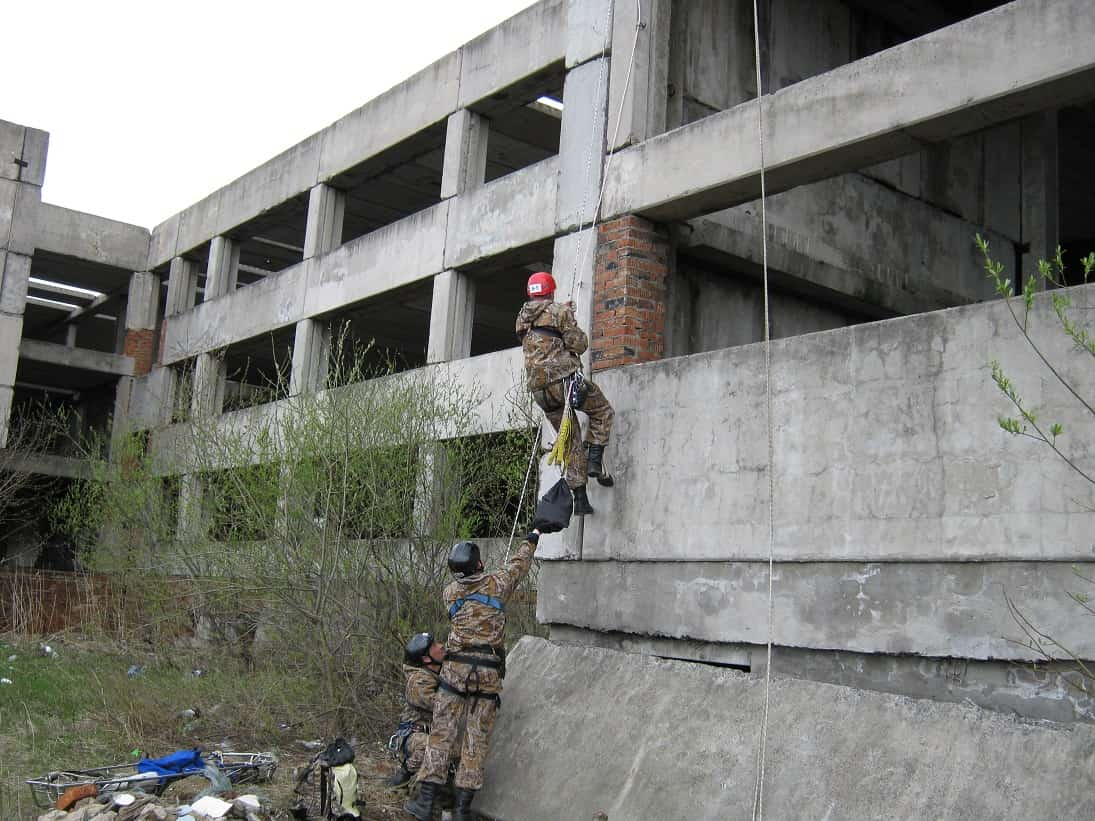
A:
74,794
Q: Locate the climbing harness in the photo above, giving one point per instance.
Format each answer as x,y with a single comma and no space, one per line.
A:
758,790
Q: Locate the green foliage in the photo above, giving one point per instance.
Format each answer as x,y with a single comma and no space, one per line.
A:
1051,275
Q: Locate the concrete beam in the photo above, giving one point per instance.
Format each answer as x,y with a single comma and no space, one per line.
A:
85,236
872,110
489,379
82,358
951,609
64,467
637,737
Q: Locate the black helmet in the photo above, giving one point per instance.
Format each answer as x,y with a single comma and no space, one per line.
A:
464,558
416,648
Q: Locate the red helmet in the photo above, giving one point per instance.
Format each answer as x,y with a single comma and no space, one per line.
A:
541,284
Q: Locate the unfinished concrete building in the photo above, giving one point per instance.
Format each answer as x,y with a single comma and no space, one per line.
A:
893,133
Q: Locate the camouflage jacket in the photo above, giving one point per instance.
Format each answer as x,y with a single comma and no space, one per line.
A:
476,623
418,694
552,355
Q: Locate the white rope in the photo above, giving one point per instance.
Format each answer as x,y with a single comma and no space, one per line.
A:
524,489
758,791
579,259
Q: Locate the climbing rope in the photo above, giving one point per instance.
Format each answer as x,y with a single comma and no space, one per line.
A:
758,790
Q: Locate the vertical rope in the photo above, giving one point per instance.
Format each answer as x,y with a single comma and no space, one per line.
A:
758,791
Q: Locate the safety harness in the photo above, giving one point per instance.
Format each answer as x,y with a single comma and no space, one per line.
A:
494,658
482,598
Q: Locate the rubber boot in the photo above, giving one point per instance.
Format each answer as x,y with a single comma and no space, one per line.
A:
399,778
422,806
582,507
461,808
595,465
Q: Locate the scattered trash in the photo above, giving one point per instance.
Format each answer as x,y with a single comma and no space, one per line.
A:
12,658
211,806
46,650
218,783
123,799
310,745
197,672
74,794
5,681
190,712
135,671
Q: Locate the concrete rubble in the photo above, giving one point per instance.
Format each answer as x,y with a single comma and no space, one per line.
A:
153,808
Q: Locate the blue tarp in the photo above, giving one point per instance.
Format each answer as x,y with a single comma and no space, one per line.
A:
183,762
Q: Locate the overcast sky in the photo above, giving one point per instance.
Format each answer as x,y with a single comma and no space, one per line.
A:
152,105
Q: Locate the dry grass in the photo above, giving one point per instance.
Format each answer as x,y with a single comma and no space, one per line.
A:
78,708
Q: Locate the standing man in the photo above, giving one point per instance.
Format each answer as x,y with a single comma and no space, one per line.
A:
422,658
471,676
552,342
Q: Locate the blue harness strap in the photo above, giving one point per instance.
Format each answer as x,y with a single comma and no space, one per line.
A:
482,598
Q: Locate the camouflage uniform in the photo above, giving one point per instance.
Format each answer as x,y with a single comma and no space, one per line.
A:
470,691
551,355
418,699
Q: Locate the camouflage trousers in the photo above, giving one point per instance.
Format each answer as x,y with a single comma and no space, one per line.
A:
414,750
551,401
449,712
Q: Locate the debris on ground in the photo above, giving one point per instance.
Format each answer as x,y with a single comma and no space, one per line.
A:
139,806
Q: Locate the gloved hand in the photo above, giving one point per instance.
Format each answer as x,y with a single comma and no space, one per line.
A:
545,526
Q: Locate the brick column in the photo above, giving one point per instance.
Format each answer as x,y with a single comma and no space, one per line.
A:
141,317
629,292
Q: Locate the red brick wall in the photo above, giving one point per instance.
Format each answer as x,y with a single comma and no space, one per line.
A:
629,292
141,345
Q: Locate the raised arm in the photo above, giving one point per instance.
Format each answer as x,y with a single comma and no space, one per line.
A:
517,567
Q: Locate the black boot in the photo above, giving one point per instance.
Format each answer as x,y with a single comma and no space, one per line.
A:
595,465
461,808
422,806
582,507
399,778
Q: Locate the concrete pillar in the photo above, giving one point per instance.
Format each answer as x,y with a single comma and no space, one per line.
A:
191,519
629,292
182,285
223,269
15,272
644,103
451,317
70,334
207,390
311,355
142,312
323,231
1041,192
581,143
465,164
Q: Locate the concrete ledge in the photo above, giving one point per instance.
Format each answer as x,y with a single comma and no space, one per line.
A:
88,237
586,730
81,358
1025,56
65,467
942,609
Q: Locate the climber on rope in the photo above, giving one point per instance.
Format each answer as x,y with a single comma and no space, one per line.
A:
553,342
470,686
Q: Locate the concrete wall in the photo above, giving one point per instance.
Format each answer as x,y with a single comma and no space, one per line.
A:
641,738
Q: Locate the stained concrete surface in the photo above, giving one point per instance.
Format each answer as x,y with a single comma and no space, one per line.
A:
587,730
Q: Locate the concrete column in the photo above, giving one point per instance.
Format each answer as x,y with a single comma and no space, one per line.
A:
15,270
207,397
1041,192
182,285
141,319
323,231
451,317
311,355
465,163
70,334
223,268
581,143
436,477
644,103
191,520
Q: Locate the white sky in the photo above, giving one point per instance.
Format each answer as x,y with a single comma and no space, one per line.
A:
152,105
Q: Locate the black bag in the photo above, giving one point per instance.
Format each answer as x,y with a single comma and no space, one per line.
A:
338,752
553,511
